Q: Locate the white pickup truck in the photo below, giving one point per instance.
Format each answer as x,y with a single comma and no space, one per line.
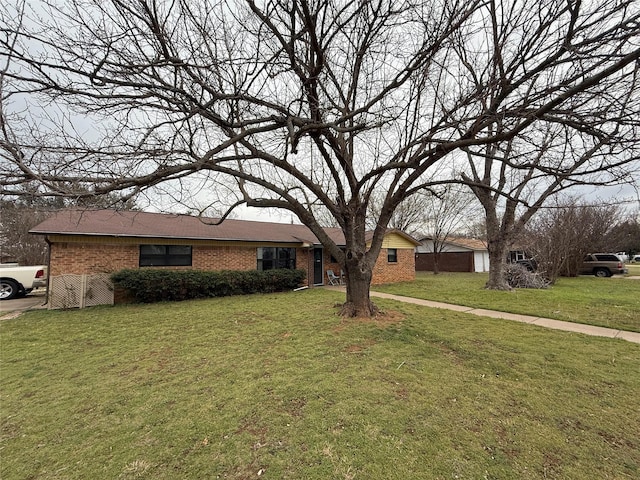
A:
17,281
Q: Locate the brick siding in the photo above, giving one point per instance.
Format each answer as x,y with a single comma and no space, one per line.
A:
224,258
85,258
383,271
403,270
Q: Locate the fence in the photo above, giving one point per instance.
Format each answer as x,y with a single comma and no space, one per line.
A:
79,291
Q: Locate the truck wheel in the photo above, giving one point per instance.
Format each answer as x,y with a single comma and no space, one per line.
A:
8,289
602,272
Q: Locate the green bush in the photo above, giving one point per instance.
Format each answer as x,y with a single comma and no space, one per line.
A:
151,285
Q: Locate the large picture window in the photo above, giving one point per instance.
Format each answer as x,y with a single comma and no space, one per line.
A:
165,255
276,257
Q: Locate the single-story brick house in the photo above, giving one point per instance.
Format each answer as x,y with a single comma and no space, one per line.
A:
105,241
458,254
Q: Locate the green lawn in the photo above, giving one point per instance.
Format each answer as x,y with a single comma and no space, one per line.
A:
280,387
607,302
634,268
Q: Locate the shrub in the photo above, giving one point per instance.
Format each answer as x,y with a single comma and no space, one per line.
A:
151,285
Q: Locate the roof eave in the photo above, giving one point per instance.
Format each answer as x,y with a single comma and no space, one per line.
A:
170,237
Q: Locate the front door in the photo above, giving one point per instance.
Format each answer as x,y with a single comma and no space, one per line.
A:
318,273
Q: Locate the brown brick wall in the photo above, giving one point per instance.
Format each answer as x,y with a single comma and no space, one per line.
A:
84,258
238,258
224,258
383,271
81,258
402,271
304,261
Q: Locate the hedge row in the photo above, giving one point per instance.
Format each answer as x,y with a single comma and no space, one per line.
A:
150,285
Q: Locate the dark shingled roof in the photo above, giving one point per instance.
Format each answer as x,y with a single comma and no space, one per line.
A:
128,223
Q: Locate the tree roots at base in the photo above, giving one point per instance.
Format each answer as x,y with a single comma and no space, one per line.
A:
349,310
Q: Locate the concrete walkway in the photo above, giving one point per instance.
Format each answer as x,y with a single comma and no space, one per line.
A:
13,308
539,321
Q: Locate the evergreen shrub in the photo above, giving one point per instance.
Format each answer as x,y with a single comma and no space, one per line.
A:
158,285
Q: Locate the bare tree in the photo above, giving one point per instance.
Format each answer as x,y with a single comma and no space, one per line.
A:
307,105
19,216
16,244
514,179
409,216
448,213
625,237
559,237
589,140
435,214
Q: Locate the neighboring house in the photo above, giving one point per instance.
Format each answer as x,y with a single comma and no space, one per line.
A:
105,241
517,255
458,254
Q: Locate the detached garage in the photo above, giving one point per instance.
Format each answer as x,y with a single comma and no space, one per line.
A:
457,254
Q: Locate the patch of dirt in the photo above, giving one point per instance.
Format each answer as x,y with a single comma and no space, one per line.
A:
402,393
162,359
296,406
453,355
252,429
552,466
380,320
385,319
360,347
614,441
242,472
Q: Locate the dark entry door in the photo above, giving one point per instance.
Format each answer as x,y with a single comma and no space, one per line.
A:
318,274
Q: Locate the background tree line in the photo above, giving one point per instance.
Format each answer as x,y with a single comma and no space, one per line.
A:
560,236
20,214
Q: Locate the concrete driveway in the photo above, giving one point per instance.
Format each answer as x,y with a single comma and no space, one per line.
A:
12,308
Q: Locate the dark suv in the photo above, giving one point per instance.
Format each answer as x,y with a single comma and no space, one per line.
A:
602,265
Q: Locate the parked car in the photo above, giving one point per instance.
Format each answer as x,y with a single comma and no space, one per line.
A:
602,265
16,281
635,259
623,256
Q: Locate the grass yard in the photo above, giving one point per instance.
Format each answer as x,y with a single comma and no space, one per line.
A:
607,302
634,269
279,387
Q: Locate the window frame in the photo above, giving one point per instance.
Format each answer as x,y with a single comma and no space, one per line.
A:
167,258
276,258
392,255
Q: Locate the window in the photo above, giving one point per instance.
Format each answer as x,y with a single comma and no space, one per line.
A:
276,257
165,255
392,255
607,258
518,255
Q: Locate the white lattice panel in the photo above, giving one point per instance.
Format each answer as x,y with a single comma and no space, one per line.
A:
79,291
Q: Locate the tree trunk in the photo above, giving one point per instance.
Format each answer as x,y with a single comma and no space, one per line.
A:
358,282
436,267
497,261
